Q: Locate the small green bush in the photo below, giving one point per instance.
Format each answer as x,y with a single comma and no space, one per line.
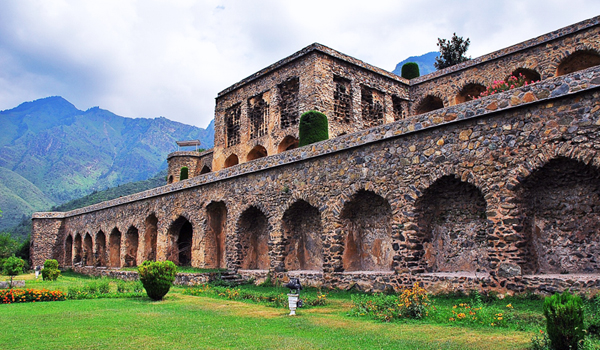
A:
157,277
50,272
313,128
410,70
564,320
183,174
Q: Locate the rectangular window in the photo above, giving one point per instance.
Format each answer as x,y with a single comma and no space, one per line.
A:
372,105
288,92
258,112
232,123
342,99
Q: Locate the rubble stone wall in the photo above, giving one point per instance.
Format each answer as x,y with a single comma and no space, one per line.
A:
368,188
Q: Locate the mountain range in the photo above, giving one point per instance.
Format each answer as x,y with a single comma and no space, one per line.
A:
51,152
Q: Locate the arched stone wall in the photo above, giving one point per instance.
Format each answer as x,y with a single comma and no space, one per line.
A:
577,61
131,247
561,206
366,221
253,233
78,258
215,234
302,231
180,239
114,248
452,227
100,251
68,260
150,237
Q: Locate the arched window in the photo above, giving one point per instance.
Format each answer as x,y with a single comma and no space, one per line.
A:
231,161
578,60
529,74
288,143
429,103
257,152
469,92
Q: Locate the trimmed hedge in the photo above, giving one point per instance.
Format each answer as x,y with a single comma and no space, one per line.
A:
183,174
410,70
313,128
157,277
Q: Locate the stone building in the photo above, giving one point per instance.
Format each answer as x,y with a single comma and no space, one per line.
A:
418,182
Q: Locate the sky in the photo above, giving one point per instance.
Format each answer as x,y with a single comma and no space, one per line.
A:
170,58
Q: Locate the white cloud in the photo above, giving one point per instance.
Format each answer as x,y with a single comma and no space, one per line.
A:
171,58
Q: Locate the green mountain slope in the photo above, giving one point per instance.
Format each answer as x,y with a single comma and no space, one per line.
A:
67,153
19,197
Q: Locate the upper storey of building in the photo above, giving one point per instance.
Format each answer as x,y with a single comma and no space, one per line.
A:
259,115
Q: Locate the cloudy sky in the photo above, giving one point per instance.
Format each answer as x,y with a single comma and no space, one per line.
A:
170,58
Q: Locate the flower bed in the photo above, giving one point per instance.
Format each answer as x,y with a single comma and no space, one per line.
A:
30,295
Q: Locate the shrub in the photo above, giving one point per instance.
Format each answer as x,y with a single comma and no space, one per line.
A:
564,320
157,277
313,128
410,70
451,51
13,266
50,272
183,174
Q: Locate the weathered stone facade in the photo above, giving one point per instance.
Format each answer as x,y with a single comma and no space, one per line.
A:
496,193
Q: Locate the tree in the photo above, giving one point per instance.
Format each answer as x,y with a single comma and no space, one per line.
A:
8,246
12,267
451,51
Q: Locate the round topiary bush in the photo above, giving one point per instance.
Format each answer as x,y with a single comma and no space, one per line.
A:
313,128
157,277
410,70
183,175
50,272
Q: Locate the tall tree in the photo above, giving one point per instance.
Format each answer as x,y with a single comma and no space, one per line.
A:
451,51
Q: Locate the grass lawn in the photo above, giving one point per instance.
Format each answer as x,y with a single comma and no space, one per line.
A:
197,322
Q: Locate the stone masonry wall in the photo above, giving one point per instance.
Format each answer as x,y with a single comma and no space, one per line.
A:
489,148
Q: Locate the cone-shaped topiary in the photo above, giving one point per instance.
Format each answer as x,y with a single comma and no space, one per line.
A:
157,277
183,174
410,70
313,128
564,320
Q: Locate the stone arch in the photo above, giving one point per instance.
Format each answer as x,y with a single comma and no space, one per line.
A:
170,180
205,170
100,249
88,253
560,204
302,230
253,235
114,248
429,103
367,232
180,236
530,75
68,261
131,246
214,237
452,229
77,259
469,92
289,142
231,161
578,60
150,237
256,152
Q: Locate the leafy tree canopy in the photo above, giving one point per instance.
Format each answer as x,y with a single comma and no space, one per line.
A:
452,51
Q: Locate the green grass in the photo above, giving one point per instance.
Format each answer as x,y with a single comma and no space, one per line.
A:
191,322
183,269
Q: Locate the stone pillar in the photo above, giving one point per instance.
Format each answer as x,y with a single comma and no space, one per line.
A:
47,238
